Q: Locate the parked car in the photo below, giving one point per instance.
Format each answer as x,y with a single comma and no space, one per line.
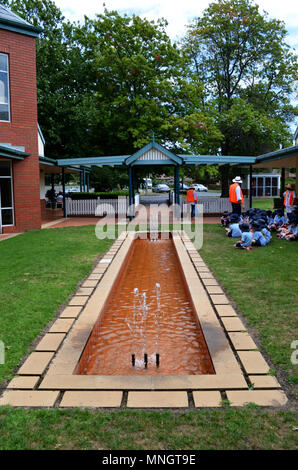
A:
73,189
184,186
147,182
200,187
161,188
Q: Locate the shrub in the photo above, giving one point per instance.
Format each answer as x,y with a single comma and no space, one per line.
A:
102,195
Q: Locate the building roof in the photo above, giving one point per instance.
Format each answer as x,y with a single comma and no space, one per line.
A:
7,150
13,22
155,154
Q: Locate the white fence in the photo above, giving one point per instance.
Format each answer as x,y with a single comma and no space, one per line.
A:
99,206
216,205
211,205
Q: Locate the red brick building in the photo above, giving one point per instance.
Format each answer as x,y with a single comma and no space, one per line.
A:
19,159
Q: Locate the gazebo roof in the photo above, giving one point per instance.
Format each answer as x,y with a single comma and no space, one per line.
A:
156,154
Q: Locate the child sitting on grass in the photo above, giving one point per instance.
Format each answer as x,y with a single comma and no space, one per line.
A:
278,221
291,232
246,237
225,219
264,230
258,238
234,230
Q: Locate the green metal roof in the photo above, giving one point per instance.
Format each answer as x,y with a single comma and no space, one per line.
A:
7,150
278,154
13,22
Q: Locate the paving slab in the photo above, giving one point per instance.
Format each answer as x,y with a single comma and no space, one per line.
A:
210,282
214,290
207,399
259,397
95,277
50,342
24,382
61,325
226,311
233,324
32,398
264,381
157,400
242,341
253,362
90,283
85,291
71,312
219,299
79,300
36,363
96,399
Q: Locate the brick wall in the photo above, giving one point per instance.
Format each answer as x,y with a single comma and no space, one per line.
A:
22,130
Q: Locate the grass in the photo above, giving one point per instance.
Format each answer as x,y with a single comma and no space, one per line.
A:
39,270
38,273
263,203
248,428
263,283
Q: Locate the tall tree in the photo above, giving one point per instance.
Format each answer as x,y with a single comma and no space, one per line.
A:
141,87
249,73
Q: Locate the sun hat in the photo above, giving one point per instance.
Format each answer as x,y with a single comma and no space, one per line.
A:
234,218
244,227
289,186
255,224
237,179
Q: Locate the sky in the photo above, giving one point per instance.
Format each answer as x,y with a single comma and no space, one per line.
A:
177,12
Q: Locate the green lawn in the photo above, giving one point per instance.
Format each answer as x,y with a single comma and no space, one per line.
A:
40,270
263,203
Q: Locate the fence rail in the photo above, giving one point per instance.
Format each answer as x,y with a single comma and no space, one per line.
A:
99,206
211,205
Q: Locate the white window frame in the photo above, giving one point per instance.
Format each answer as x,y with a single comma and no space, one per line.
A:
8,86
12,199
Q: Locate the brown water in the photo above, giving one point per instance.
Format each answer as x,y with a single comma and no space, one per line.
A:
153,319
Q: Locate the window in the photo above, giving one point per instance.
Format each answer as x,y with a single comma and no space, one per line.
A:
6,196
4,88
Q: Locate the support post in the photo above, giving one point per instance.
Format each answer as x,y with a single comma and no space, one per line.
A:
177,180
63,191
81,181
88,182
282,182
133,184
130,198
84,180
250,186
53,199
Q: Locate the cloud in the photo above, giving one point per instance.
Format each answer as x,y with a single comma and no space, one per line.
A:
177,12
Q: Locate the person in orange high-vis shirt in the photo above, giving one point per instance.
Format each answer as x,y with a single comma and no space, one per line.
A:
289,199
192,198
236,197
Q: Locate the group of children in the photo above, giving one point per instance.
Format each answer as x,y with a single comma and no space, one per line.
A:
255,227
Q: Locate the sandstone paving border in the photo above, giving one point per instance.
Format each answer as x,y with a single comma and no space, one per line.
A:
47,378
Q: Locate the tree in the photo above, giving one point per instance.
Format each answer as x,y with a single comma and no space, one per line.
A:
141,87
249,74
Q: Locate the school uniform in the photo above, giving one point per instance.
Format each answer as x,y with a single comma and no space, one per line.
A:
246,239
235,231
267,235
279,220
294,230
259,238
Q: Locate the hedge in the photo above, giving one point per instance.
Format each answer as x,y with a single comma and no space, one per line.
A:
102,195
